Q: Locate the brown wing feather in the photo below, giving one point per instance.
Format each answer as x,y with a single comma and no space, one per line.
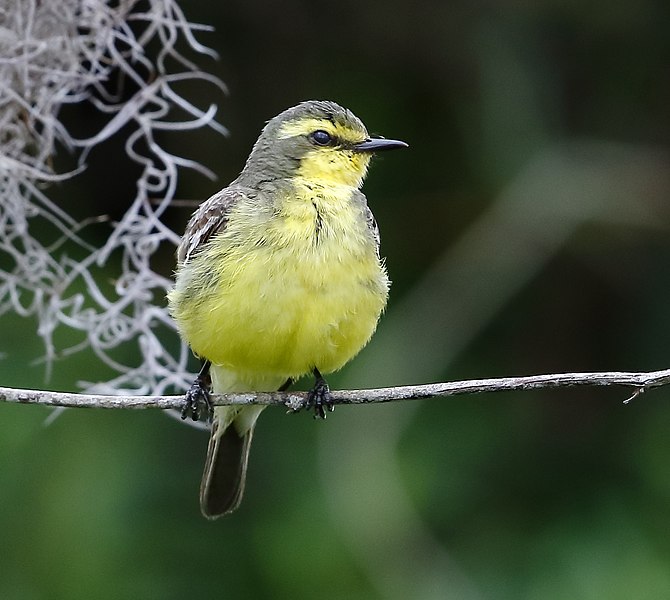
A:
210,218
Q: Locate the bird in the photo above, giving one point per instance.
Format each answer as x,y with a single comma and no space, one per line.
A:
278,276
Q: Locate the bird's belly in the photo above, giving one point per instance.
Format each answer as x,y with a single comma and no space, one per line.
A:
287,315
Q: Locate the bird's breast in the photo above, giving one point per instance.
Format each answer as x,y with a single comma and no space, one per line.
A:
304,289
320,218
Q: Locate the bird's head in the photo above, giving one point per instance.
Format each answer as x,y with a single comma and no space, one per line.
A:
318,141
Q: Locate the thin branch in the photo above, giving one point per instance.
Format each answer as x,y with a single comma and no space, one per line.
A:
297,400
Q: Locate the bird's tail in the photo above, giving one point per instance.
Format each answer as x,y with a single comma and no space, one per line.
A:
225,471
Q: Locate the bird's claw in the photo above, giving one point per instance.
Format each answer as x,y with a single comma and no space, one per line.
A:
197,401
320,399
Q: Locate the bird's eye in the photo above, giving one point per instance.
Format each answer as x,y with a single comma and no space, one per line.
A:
322,138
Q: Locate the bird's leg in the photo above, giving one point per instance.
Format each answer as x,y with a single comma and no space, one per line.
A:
197,397
319,396
287,384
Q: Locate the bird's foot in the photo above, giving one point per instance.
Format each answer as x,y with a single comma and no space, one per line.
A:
197,401
319,397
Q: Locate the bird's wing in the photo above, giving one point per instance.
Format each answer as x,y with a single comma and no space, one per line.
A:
372,225
210,218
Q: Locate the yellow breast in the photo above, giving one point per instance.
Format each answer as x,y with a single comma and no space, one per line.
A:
295,285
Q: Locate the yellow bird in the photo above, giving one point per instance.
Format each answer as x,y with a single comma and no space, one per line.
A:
279,275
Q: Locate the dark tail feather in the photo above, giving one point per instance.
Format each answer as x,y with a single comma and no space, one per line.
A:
222,484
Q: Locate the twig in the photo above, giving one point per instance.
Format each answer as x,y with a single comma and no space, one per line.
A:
296,400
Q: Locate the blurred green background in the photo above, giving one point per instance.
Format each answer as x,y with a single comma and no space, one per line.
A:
526,231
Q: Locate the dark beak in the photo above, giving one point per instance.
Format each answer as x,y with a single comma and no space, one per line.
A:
378,144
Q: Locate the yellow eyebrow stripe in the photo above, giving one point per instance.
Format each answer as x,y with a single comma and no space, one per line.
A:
307,126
